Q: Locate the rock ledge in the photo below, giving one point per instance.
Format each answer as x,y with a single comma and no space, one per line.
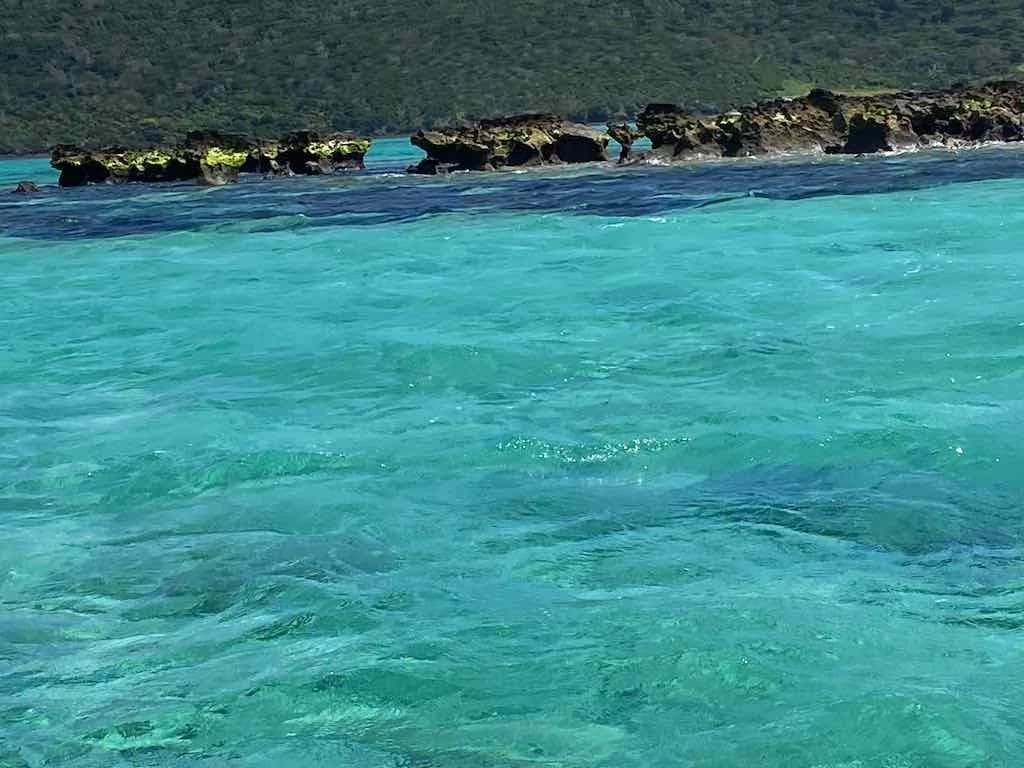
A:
211,158
521,140
832,123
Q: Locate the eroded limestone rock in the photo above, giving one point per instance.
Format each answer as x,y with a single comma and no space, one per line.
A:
833,123
522,140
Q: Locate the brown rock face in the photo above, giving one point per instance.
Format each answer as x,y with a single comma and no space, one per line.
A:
522,140
827,122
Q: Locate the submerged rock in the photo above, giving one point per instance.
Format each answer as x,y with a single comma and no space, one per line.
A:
833,123
522,140
211,158
25,188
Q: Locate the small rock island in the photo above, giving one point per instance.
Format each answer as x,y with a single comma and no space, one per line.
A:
520,140
211,158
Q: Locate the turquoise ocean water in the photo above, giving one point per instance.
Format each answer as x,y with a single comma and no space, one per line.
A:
712,466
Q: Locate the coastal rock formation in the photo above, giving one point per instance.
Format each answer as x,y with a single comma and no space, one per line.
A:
311,152
521,140
827,122
25,188
216,158
79,166
211,158
625,135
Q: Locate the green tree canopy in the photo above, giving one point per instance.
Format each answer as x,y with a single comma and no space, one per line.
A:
142,71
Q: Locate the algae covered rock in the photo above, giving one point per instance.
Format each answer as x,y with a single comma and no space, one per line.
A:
834,123
314,153
80,166
521,140
211,158
115,165
25,188
220,157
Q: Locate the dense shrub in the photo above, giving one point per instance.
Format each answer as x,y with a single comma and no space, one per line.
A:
143,71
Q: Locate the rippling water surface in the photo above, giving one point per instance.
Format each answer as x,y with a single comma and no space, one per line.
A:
712,466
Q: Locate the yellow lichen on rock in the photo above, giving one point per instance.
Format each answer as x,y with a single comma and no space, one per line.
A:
231,158
210,157
336,147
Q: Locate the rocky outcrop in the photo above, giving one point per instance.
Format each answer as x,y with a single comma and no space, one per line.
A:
79,166
522,140
211,158
214,158
625,135
25,188
314,153
827,122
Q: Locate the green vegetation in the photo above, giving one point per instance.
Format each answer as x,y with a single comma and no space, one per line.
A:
142,71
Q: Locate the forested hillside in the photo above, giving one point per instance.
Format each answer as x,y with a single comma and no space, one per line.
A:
141,71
